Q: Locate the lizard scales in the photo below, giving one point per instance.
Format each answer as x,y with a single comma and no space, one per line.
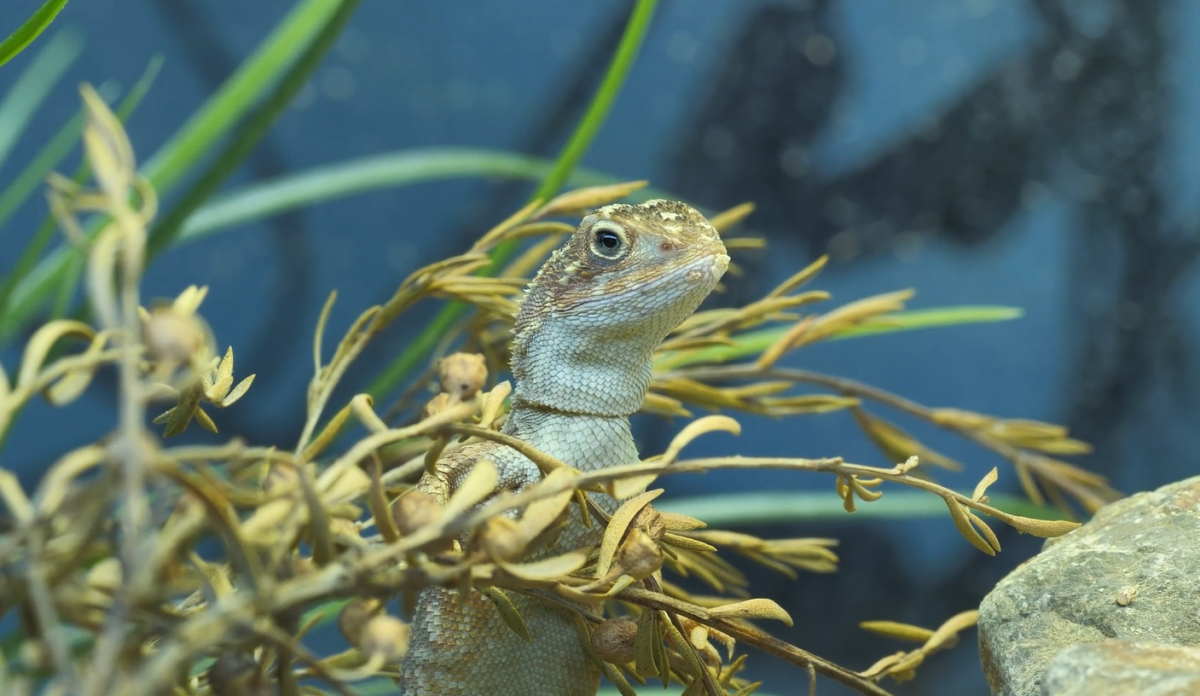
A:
584,337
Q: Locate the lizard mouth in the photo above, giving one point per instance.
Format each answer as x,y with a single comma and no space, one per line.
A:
703,272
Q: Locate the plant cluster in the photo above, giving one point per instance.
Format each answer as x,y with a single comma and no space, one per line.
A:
104,565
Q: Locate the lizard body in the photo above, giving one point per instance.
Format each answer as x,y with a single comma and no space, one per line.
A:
584,337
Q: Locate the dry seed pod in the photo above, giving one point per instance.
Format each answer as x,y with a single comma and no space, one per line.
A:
236,674
650,520
354,617
415,510
462,375
436,405
385,636
171,338
502,540
613,640
639,556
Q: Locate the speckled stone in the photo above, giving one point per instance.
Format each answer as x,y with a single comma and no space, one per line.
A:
1132,572
1124,667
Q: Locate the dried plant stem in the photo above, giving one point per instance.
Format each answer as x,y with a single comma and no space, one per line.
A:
752,636
1041,466
131,450
845,386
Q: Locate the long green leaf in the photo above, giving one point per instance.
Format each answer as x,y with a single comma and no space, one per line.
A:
755,342
34,85
775,507
27,32
568,159
251,132
65,139
258,201
239,93
191,143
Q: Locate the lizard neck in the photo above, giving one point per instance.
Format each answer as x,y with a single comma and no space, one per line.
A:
559,367
584,441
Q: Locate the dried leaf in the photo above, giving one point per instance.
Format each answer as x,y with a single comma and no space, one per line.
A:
963,523
679,522
697,428
108,150
947,633
726,219
751,609
660,405
542,513
899,631
327,435
798,279
644,643
42,342
983,484
493,403
617,525
546,569
1041,528
896,444
688,543
478,485
204,421
508,612
585,199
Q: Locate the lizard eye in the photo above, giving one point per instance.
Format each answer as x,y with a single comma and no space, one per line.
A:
608,241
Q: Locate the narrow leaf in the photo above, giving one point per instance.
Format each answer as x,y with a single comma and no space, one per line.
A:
479,484
616,529
508,612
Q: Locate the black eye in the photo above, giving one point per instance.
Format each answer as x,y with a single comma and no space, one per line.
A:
608,242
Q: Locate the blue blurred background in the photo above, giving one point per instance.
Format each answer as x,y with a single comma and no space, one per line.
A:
1033,153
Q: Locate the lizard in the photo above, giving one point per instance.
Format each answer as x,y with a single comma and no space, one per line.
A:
581,360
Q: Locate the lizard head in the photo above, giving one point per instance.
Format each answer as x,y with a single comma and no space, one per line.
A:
601,304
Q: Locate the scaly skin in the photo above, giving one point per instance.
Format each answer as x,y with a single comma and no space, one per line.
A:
581,359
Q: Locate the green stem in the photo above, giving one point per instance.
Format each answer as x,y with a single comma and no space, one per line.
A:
27,32
568,159
165,233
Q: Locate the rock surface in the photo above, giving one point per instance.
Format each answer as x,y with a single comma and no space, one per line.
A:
1124,668
1133,572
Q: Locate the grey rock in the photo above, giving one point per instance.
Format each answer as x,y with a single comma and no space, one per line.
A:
1124,668
1133,572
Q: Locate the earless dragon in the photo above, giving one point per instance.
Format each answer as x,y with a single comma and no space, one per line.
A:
581,359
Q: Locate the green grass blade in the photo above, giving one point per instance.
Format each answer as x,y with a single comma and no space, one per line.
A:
258,201
775,507
191,143
165,232
64,139
34,174
27,32
239,93
753,343
568,159
602,102
34,85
